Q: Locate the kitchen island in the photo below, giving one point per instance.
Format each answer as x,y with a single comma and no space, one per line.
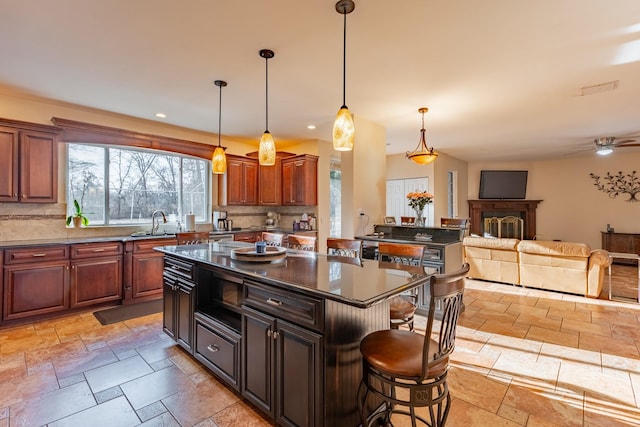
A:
285,335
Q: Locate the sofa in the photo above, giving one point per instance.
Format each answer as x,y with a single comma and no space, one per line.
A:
559,266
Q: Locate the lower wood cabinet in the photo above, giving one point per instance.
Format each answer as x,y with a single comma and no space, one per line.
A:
281,369
96,273
179,304
32,289
143,269
622,242
246,236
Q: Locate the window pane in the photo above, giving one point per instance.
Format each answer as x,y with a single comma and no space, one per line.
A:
85,182
139,182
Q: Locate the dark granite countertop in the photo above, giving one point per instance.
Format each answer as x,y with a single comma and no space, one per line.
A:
360,284
401,239
79,240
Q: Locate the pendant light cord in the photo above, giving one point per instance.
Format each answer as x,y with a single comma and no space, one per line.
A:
220,116
344,60
266,94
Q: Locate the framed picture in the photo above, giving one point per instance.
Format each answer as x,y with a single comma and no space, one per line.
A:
389,219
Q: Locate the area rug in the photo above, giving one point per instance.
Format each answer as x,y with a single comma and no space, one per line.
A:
126,312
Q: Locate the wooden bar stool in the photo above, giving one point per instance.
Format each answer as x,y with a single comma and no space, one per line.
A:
344,247
402,308
302,243
409,369
192,237
272,239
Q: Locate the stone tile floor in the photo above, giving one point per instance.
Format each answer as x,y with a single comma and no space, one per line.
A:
524,357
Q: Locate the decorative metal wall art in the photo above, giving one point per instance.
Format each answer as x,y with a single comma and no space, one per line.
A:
617,184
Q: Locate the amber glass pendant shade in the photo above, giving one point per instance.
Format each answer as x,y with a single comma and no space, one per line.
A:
344,131
267,150
219,161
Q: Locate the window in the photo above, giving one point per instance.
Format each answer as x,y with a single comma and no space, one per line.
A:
335,205
123,186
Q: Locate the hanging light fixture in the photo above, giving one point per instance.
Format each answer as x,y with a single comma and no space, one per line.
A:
344,131
267,149
219,160
422,155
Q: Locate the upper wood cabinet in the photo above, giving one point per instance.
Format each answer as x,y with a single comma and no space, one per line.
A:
28,162
300,180
242,181
270,184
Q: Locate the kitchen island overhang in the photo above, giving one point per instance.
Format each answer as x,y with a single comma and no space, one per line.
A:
285,335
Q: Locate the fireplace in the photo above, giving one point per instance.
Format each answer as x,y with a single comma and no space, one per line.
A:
525,210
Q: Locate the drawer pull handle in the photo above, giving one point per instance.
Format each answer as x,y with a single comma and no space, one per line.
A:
98,250
269,332
274,301
275,335
212,348
38,255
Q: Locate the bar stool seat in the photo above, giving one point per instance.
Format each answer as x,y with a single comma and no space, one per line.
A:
400,308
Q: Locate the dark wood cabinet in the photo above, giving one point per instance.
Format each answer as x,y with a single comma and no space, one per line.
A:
300,180
218,347
36,281
28,162
179,303
622,242
143,269
242,181
281,369
96,273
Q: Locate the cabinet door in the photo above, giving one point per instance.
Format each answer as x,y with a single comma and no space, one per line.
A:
96,280
35,288
298,376
185,306
242,181
258,383
300,181
169,320
8,164
249,237
38,167
146,271
270,184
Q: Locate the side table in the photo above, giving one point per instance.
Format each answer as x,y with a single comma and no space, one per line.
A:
622,255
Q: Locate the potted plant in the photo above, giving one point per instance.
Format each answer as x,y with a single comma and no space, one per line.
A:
78,216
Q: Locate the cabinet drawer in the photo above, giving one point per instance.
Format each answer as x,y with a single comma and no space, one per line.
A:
249,237
91,250
219,349
299,309
36,254
146,245
179,268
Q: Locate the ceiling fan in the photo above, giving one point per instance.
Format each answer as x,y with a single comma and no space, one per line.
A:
606,145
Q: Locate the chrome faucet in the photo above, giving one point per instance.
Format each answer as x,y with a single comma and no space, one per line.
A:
154,226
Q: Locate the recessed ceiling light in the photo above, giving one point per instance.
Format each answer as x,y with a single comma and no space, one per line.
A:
161,115
311,127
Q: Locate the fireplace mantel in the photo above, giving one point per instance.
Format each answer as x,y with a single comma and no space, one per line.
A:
525,208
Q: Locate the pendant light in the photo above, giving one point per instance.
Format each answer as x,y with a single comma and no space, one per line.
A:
422,155
344,131
219,160
267,149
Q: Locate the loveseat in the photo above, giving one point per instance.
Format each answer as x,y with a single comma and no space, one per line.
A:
560,266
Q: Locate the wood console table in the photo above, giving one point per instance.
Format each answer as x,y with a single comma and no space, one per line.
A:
526,209
622,243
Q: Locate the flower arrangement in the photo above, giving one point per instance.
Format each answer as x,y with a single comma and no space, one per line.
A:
418,199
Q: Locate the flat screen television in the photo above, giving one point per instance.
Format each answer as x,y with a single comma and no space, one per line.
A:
503,184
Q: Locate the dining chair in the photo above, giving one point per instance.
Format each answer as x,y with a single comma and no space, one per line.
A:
192,237
407,370
344,247
402,307
303,243
272,239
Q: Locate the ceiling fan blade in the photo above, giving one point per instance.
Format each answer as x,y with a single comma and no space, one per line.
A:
627,145
623,142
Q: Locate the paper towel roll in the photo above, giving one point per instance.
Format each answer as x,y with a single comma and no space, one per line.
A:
190,222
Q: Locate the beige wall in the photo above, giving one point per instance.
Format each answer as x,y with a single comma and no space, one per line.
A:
572,208
364,179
